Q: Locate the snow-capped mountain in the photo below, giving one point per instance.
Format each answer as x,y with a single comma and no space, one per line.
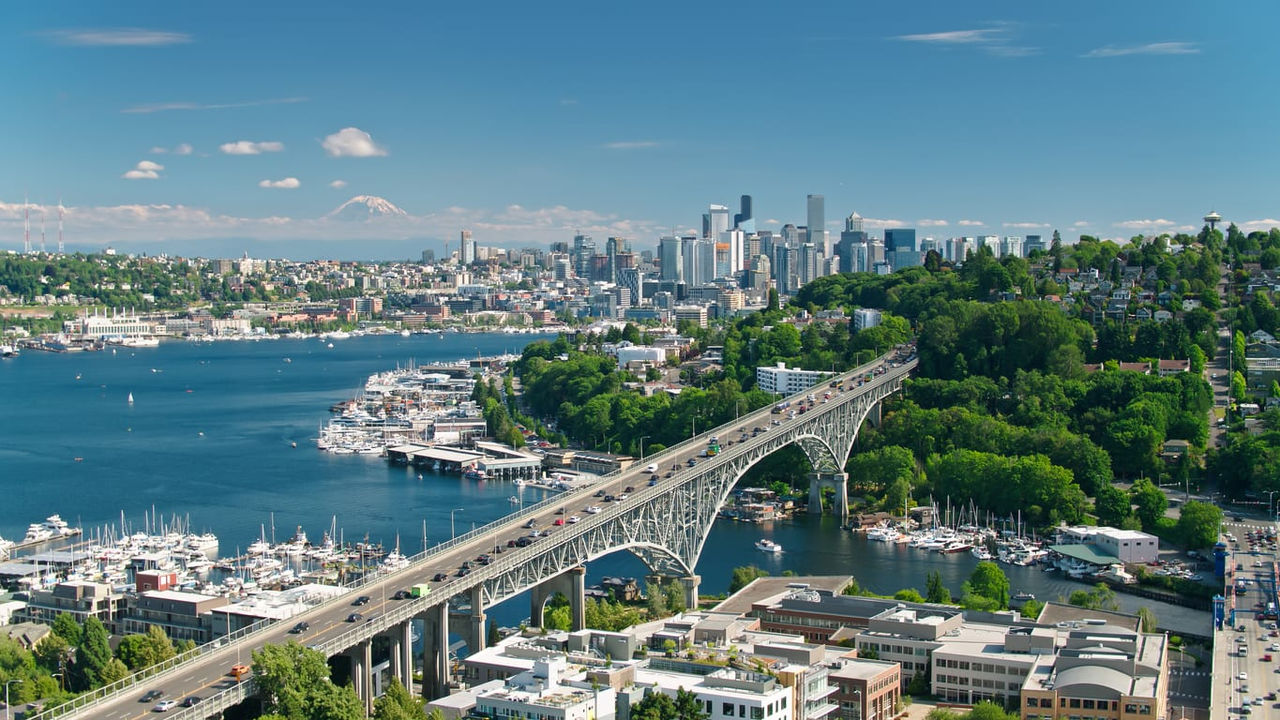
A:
366,207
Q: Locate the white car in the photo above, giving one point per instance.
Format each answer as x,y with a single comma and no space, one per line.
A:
572,519
1243,676
165,705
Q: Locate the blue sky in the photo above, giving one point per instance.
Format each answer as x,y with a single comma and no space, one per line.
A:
527,121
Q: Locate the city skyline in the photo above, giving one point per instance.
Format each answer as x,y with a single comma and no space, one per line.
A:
185,130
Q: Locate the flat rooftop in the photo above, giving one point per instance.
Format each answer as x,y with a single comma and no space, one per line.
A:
762,589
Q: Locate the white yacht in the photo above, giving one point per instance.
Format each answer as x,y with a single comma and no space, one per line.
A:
37,532
883,533
767,545
56,525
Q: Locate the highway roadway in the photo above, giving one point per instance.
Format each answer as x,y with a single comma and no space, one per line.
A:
1246,657
209,673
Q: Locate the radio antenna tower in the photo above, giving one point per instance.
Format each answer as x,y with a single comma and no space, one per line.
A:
26,226
60,250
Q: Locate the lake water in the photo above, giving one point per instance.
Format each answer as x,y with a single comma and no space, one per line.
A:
208,437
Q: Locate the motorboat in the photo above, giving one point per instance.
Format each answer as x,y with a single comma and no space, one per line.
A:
769,546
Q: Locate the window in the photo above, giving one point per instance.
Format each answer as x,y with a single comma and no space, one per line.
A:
727,710
1075,703
1088,704
757,713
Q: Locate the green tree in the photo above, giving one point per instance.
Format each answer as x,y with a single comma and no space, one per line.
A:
988,710
1198,524
1112,505
743,575
92,655
1101,597
935,591
989,581
289,679
397,703
1150,500
655,706
674,592
111,672
655,600
1148,619
1031,609
688,707
66,627
330,702
909,595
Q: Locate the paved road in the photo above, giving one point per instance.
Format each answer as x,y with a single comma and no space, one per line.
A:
208,674
1240,666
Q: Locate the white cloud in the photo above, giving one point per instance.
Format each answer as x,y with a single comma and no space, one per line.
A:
926,222
288,183
631,144
179,149
1080,224
118,37
1157,224
164,107
1025,225
882,223
1265,224
971,223
248,147
511,226
956,37
145,170
993,40
568,101
352,142
1160,48
338,184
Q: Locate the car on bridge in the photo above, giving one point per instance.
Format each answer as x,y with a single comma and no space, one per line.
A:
362,600
151,695
440,577
239,671
300,627
354,617
165,706
192,701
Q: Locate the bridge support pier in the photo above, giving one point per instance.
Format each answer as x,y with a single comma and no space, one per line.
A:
837,481
401,637
476,636
362,672
690,584
572,583
435,651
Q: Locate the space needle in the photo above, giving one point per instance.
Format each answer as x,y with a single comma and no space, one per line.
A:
1212,219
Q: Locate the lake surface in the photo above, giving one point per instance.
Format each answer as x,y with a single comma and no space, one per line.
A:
209,437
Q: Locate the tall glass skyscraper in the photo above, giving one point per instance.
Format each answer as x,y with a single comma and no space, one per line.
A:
818,223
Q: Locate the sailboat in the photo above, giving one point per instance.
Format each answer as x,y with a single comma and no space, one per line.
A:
130,398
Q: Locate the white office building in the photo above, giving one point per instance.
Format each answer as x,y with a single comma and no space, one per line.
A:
787,381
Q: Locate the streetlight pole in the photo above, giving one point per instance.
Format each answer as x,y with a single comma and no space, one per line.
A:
8,711
1270,494
642,439
452,533
859,694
